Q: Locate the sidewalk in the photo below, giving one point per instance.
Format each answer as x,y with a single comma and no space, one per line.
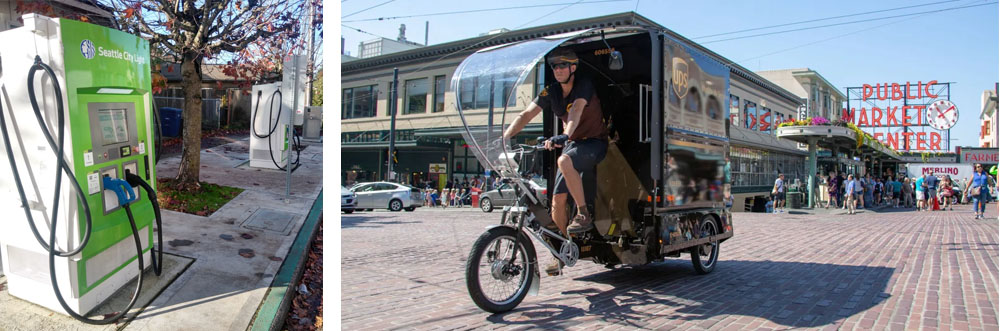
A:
231,265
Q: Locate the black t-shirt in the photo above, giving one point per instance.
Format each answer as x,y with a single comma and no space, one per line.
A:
591,121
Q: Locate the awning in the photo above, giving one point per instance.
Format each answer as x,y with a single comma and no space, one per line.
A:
741,136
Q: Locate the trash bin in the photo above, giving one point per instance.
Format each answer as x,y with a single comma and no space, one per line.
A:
170,121
795,200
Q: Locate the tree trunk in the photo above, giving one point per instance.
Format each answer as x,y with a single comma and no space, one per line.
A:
189,170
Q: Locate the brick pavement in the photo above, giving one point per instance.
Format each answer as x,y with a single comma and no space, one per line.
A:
888,270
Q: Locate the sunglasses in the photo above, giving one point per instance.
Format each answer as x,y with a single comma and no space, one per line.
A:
562,65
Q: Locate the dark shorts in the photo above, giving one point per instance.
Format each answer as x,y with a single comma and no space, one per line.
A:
585,154
780,196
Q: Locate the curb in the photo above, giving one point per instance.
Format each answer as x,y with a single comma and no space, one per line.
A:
270,315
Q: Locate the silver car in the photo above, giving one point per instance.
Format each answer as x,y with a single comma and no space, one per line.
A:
348,200
386,195
488,200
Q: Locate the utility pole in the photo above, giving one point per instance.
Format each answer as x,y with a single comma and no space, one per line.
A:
392,121
309,52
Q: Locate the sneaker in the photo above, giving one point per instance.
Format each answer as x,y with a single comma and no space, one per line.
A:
554,268
581,223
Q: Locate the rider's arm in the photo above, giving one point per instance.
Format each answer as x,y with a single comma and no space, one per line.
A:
521,120
575,112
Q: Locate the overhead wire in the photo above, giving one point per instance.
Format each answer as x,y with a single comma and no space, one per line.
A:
483,10
845,23
821,19
835,37
366,9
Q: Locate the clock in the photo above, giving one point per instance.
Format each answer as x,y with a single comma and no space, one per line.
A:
942,115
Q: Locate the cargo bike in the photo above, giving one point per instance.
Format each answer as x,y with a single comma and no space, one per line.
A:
662,187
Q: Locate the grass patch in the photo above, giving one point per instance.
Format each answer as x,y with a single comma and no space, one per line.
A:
210,198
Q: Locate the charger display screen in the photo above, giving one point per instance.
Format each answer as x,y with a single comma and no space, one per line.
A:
113,125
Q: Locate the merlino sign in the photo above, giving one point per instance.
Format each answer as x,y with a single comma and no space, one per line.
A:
956,171
904,116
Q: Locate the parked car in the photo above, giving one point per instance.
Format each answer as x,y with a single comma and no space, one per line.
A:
488,200
348,200
387,195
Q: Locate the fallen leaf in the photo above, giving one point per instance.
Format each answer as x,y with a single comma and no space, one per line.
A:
247,253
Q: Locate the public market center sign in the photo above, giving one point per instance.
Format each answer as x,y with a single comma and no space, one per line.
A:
904,116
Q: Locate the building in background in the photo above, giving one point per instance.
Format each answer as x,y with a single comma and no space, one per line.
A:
988,116
95,12
820,97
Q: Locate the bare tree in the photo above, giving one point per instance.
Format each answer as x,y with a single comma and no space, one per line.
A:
191,32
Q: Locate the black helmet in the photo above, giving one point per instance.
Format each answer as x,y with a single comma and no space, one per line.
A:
562,55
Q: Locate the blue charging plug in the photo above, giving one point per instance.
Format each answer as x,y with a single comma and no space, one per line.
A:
121,188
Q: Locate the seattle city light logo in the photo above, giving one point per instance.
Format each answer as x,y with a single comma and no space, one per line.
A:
87,49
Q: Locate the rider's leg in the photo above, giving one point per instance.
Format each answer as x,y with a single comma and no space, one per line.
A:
573,182
559,211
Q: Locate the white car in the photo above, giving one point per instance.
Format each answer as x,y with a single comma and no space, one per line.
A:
387,195
348,200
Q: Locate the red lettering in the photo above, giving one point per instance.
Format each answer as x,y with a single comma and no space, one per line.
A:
906,115
892,140
863,118
890,118
876,116
921,141
848,116
935,141
906,140
927,88
879,90
878,136
908,95
896,93
866,92
752,120
920,114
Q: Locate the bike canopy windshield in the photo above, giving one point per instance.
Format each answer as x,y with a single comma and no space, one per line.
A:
488,83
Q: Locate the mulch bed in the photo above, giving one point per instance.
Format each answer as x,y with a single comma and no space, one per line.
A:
209,139
306,312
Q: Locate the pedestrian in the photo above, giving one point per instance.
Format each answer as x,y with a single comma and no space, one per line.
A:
841,179
920,189
779,193
434,197
931,191
979,185
851,188
817,200
897,191
946,193
907,191
833,190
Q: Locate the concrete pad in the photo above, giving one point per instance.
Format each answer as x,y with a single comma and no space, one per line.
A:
223,289
233,266
18,314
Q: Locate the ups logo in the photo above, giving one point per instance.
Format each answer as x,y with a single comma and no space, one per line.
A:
680,77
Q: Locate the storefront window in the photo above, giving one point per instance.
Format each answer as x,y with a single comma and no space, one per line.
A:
439,88
416,96
359,102
750,117
734,110
759,167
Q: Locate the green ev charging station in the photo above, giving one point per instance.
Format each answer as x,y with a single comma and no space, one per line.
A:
85,87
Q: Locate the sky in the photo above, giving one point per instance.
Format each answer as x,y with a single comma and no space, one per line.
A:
961,46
